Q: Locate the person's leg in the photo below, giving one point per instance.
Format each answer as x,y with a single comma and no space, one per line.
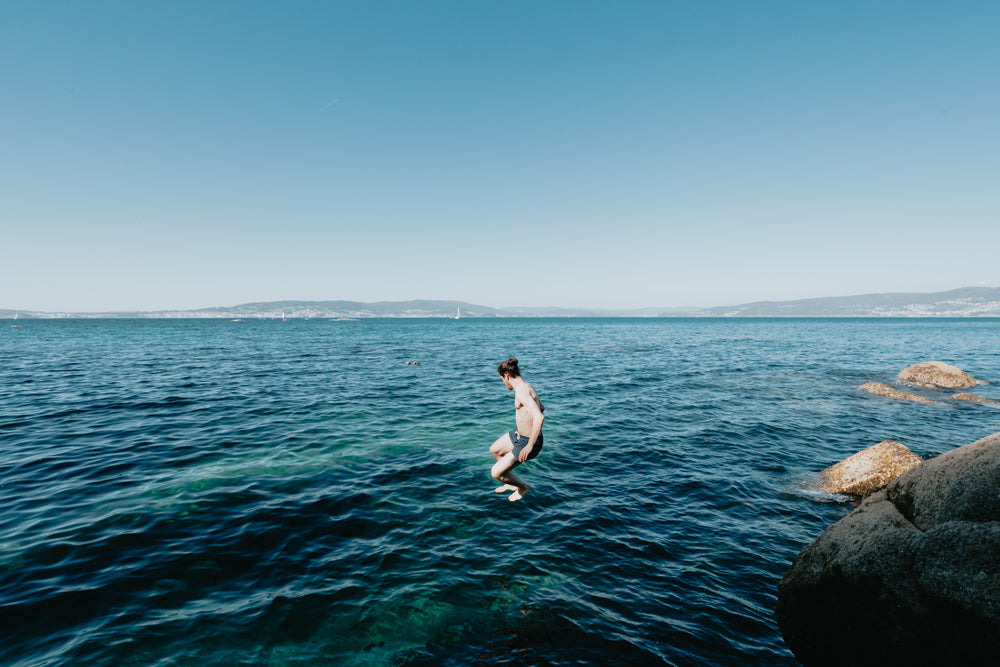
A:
501,446
503,470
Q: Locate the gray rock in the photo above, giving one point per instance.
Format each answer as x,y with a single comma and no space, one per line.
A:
972,398
937,374
912,576
880,389
869,470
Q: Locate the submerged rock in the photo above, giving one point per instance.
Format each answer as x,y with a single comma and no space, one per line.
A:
973,398
869,470
937,374
885,390
909,577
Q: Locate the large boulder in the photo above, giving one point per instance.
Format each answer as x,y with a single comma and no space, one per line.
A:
869,470
937,374
880,389
912,576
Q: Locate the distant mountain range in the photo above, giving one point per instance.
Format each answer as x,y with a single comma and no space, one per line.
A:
350,309
963,302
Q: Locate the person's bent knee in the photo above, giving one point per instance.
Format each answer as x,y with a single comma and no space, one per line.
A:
499,468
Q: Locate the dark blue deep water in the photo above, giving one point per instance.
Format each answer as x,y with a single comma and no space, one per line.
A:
205,492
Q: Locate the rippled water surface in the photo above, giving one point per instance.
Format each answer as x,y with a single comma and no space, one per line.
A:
203,492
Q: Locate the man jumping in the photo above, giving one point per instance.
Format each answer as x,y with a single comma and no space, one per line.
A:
524,442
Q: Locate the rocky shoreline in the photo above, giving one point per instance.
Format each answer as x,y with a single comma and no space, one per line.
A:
934,375
912,575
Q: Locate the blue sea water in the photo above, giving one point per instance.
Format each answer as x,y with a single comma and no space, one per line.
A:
206,492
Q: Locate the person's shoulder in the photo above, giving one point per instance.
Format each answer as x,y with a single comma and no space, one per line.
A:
527,391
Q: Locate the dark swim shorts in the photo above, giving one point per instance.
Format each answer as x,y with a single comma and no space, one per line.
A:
520,441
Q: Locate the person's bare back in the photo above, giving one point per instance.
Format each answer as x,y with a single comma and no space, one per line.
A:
522,416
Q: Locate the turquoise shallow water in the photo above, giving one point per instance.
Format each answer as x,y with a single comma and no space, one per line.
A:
202,492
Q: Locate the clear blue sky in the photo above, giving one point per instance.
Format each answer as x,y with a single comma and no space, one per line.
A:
592,154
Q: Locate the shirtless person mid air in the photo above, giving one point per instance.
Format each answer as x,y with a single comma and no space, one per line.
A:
523,443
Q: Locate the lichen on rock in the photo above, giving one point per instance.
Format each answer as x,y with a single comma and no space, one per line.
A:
937,374
869,470
972,398
880,389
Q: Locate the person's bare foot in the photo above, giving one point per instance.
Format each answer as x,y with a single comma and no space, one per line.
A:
518,494
505,487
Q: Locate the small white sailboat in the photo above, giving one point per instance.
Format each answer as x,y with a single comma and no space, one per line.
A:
458,315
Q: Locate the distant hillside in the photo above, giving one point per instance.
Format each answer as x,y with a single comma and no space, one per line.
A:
345,309
963,302
417,308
